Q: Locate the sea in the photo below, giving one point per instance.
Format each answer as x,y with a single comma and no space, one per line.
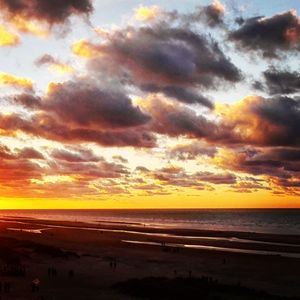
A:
277,221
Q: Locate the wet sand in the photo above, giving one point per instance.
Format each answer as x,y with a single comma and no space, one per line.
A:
91,250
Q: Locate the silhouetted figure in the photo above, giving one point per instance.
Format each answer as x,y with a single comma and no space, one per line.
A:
35,285
224,261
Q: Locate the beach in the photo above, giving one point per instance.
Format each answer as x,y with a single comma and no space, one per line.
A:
90,259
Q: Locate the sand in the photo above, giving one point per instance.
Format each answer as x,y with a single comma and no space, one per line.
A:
91,253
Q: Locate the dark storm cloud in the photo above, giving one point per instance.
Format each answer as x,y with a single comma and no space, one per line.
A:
160,58
176,120
269,35
85,104
75,114
212,15
42,125
282,81
175,54
52,12
82,111
276,165
282,115
181,94
260,121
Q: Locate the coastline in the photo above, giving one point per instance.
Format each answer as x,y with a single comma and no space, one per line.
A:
95,245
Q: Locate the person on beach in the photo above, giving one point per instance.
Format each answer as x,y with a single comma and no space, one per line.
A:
35,285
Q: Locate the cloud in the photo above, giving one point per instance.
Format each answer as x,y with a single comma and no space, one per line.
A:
87,170
192,151
83,155
54,64
30,153
212,15
82,111
85,49
65,172
174,120
39,17
84,104
51,12
178,177
278,168
7,38
282,81
181,94
147,13
268,122
17,169
249,185
269,35
43,125
15,81
121,159
226,178
173,60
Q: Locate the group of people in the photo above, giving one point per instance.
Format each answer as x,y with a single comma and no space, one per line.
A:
52,273
12,270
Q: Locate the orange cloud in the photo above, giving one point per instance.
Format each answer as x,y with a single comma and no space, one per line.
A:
246,123
61,68
218,6
147,13
15,81
26,26
85,49
7,38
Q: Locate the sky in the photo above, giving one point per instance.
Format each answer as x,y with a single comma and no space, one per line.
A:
149,104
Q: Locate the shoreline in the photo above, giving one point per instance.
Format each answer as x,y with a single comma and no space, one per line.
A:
88,250
222,241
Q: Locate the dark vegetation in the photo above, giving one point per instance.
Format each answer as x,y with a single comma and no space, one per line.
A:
190,288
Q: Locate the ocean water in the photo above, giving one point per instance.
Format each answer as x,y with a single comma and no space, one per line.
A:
280,221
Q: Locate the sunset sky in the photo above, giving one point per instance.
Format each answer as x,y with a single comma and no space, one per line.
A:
149,104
